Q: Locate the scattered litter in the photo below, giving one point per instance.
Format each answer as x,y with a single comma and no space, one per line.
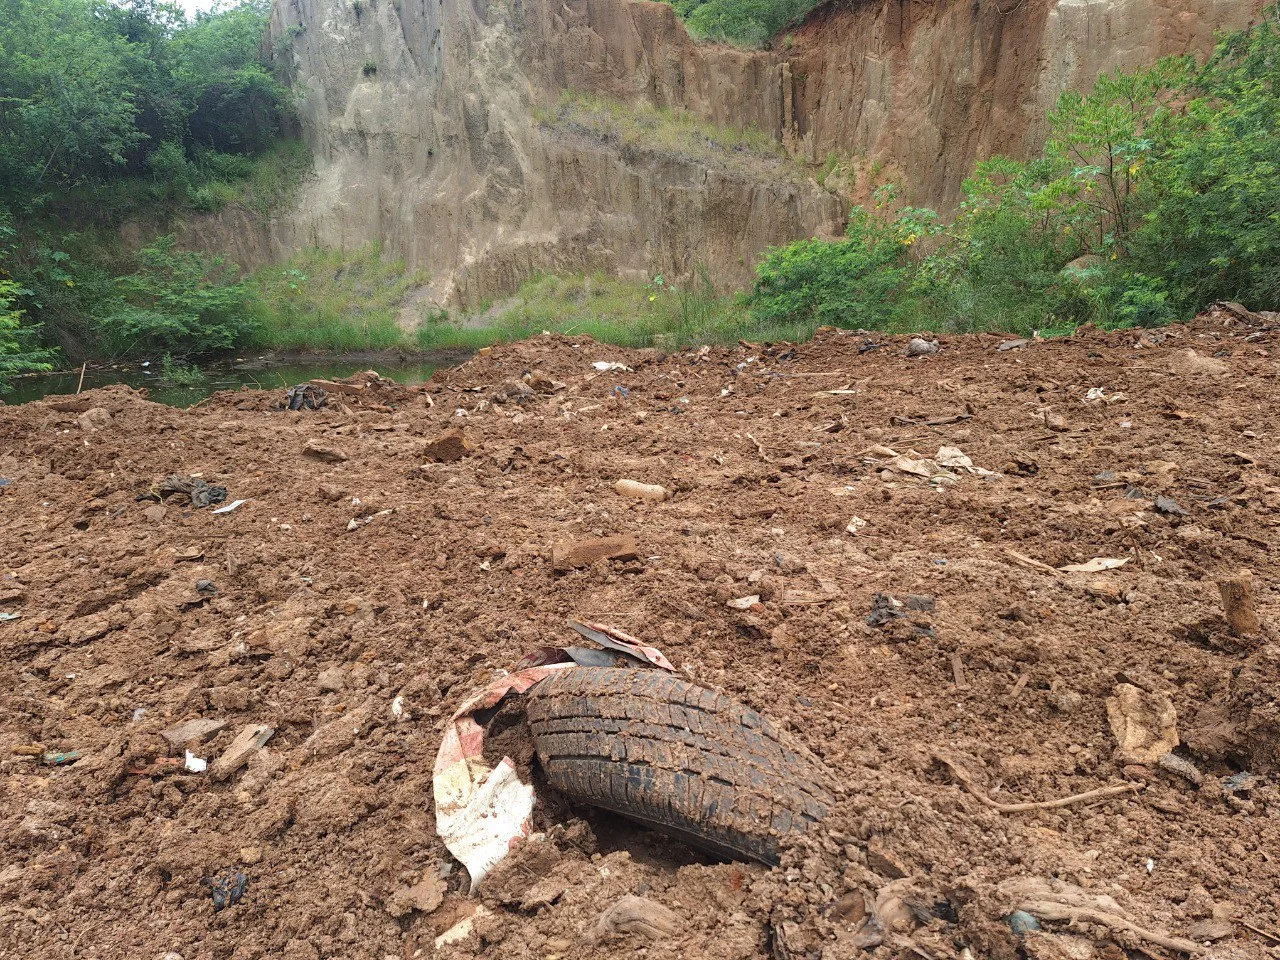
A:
1099,395
482,811
855,524
1144,723
1096,565
462,929
7,617
248,742
636,916
306,396
194,764
607,366
235,504
883,609
919,347
744,603
200,493
1058,900
1168,505
226,890
642,491
58,758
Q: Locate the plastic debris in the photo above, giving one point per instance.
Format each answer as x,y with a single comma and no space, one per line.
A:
744,603
607,366
7,617
59,758
194,764
200,493
226,890
306,396
1096,565
481,811
235,504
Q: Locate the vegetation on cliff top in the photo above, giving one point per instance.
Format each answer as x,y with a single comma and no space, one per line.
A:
1156,194
744,23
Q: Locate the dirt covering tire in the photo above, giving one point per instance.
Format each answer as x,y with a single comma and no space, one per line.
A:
679,758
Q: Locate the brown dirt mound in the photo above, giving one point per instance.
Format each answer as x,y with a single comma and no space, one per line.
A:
938,630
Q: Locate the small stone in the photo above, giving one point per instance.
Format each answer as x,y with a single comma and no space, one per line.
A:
450,446
324,451
250,855
1206,931
573,554
919,347
199,731
332,679
155,513
424,896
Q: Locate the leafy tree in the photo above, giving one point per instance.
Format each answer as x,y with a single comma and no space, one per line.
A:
181,304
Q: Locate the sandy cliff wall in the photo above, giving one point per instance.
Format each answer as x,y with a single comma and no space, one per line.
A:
421,114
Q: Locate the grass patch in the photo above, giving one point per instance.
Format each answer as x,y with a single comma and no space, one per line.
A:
333,300
612,311
659,129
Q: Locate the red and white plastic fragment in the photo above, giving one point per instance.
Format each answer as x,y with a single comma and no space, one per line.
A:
481,812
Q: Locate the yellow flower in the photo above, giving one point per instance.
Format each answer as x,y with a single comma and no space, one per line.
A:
1067,228
653,297
1133,169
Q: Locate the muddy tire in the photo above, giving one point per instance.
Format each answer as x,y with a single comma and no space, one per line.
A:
676,757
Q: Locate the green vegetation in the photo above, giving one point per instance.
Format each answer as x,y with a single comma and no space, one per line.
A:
614,311
1161,188
330,300
659,129
744,23
109,108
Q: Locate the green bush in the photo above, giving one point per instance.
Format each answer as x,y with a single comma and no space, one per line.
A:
745,23
1168,179
861,281
178,303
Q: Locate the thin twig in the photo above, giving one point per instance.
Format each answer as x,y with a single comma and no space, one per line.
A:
80,385
986,801
1258,930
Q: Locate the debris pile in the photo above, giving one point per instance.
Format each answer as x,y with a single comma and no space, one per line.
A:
1030,629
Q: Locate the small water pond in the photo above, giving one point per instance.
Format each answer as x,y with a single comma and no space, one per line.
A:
266,373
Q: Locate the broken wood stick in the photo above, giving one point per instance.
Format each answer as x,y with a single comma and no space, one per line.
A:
1238,605
1050,911
1099,794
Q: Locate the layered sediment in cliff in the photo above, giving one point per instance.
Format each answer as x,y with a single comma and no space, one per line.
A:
424,119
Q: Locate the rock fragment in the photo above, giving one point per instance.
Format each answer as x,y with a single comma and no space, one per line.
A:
248,742
574,554
450,446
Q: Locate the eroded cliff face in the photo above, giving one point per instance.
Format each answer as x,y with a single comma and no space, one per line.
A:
422,115
422,118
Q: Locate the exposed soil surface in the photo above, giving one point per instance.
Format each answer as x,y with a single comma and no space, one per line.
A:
352,603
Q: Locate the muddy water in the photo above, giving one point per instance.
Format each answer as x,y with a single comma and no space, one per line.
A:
267,373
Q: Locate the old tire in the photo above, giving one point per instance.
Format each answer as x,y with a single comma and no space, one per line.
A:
677,757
